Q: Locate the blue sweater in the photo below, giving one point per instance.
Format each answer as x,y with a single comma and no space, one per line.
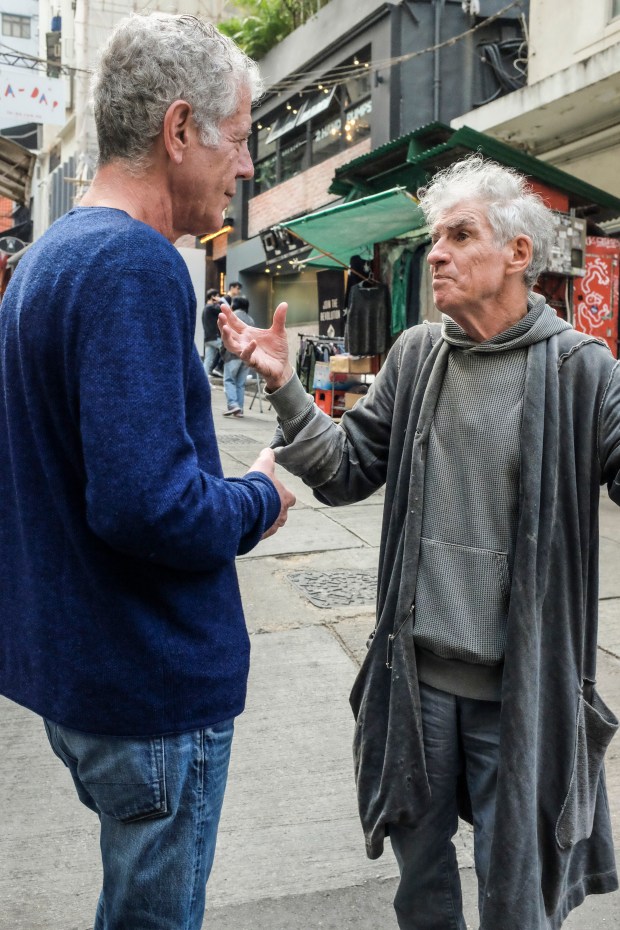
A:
119,604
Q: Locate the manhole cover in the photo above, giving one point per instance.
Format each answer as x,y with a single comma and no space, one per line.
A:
336,589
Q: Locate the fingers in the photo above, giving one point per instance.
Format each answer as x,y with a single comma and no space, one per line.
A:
279,319
246,353
265,464
228,318
287,500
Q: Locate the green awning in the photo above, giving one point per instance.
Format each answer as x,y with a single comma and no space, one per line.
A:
411,160
337,233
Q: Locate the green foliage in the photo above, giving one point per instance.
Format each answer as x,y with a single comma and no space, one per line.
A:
264,23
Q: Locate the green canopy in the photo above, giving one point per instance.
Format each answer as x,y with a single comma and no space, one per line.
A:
337,233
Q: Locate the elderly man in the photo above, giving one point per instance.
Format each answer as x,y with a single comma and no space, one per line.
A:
120,616
492,434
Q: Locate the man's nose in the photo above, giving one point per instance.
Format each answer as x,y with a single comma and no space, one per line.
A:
437,254
245,168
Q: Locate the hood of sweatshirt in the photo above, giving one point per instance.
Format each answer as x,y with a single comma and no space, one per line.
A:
539,323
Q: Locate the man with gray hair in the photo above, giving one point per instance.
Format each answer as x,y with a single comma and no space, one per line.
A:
120,616
492,433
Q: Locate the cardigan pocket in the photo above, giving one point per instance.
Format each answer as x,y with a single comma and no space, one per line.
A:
595,727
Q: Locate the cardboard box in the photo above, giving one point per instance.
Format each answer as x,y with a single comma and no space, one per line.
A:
325,378
355,364
350,399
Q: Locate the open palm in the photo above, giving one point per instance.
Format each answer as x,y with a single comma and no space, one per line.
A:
265,350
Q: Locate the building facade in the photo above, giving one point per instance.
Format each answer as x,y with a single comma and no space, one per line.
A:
567,112
351,79
19,43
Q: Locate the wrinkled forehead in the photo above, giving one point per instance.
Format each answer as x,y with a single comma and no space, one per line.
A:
471,215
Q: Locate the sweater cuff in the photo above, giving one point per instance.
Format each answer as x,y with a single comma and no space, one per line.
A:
295,408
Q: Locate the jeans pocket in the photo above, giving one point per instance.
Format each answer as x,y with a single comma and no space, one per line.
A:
124,777
595,727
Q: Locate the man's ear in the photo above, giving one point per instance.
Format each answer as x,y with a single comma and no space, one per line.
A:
177,126
521,254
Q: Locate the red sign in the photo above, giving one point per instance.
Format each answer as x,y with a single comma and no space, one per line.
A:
595,296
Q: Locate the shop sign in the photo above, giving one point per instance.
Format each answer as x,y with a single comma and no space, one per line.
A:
31,97
280,244
331,290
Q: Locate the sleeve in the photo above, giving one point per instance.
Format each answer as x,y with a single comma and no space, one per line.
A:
343,462
609,435
145,491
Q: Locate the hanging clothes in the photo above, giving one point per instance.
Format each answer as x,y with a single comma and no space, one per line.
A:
368,320
358,270
428,310
313,349
401,270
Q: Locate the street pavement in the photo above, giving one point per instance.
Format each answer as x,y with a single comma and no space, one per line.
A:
290,850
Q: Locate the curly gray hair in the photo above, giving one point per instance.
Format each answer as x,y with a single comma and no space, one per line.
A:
513,209
152,60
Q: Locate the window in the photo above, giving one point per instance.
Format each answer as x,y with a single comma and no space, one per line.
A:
265,174
615,8
357,122
18,27
292,157
326,139
315,124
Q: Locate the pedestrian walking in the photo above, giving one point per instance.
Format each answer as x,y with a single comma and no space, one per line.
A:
492,432
120,617
236,371
212,338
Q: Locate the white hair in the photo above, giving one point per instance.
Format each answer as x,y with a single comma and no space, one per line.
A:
152,60
513,209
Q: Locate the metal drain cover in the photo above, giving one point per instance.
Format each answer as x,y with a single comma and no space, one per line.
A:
341,588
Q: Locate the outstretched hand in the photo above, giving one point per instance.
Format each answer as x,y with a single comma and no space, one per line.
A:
264,350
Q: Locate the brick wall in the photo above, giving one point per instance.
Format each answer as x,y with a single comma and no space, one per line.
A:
303,193
6,210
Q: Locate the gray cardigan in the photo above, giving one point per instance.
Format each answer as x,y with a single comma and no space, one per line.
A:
552,844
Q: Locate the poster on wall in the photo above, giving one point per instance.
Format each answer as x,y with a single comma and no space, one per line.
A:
330,285
595,295
31,97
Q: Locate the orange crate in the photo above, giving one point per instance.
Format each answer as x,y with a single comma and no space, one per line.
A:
325,399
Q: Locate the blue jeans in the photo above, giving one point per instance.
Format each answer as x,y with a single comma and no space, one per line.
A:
461,737
235,373
158,801
212,353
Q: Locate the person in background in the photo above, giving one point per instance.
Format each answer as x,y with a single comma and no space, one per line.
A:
120,616
234,290
236,371
492,432
212,338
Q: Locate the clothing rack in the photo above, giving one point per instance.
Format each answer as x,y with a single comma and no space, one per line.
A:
314,337
309,345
